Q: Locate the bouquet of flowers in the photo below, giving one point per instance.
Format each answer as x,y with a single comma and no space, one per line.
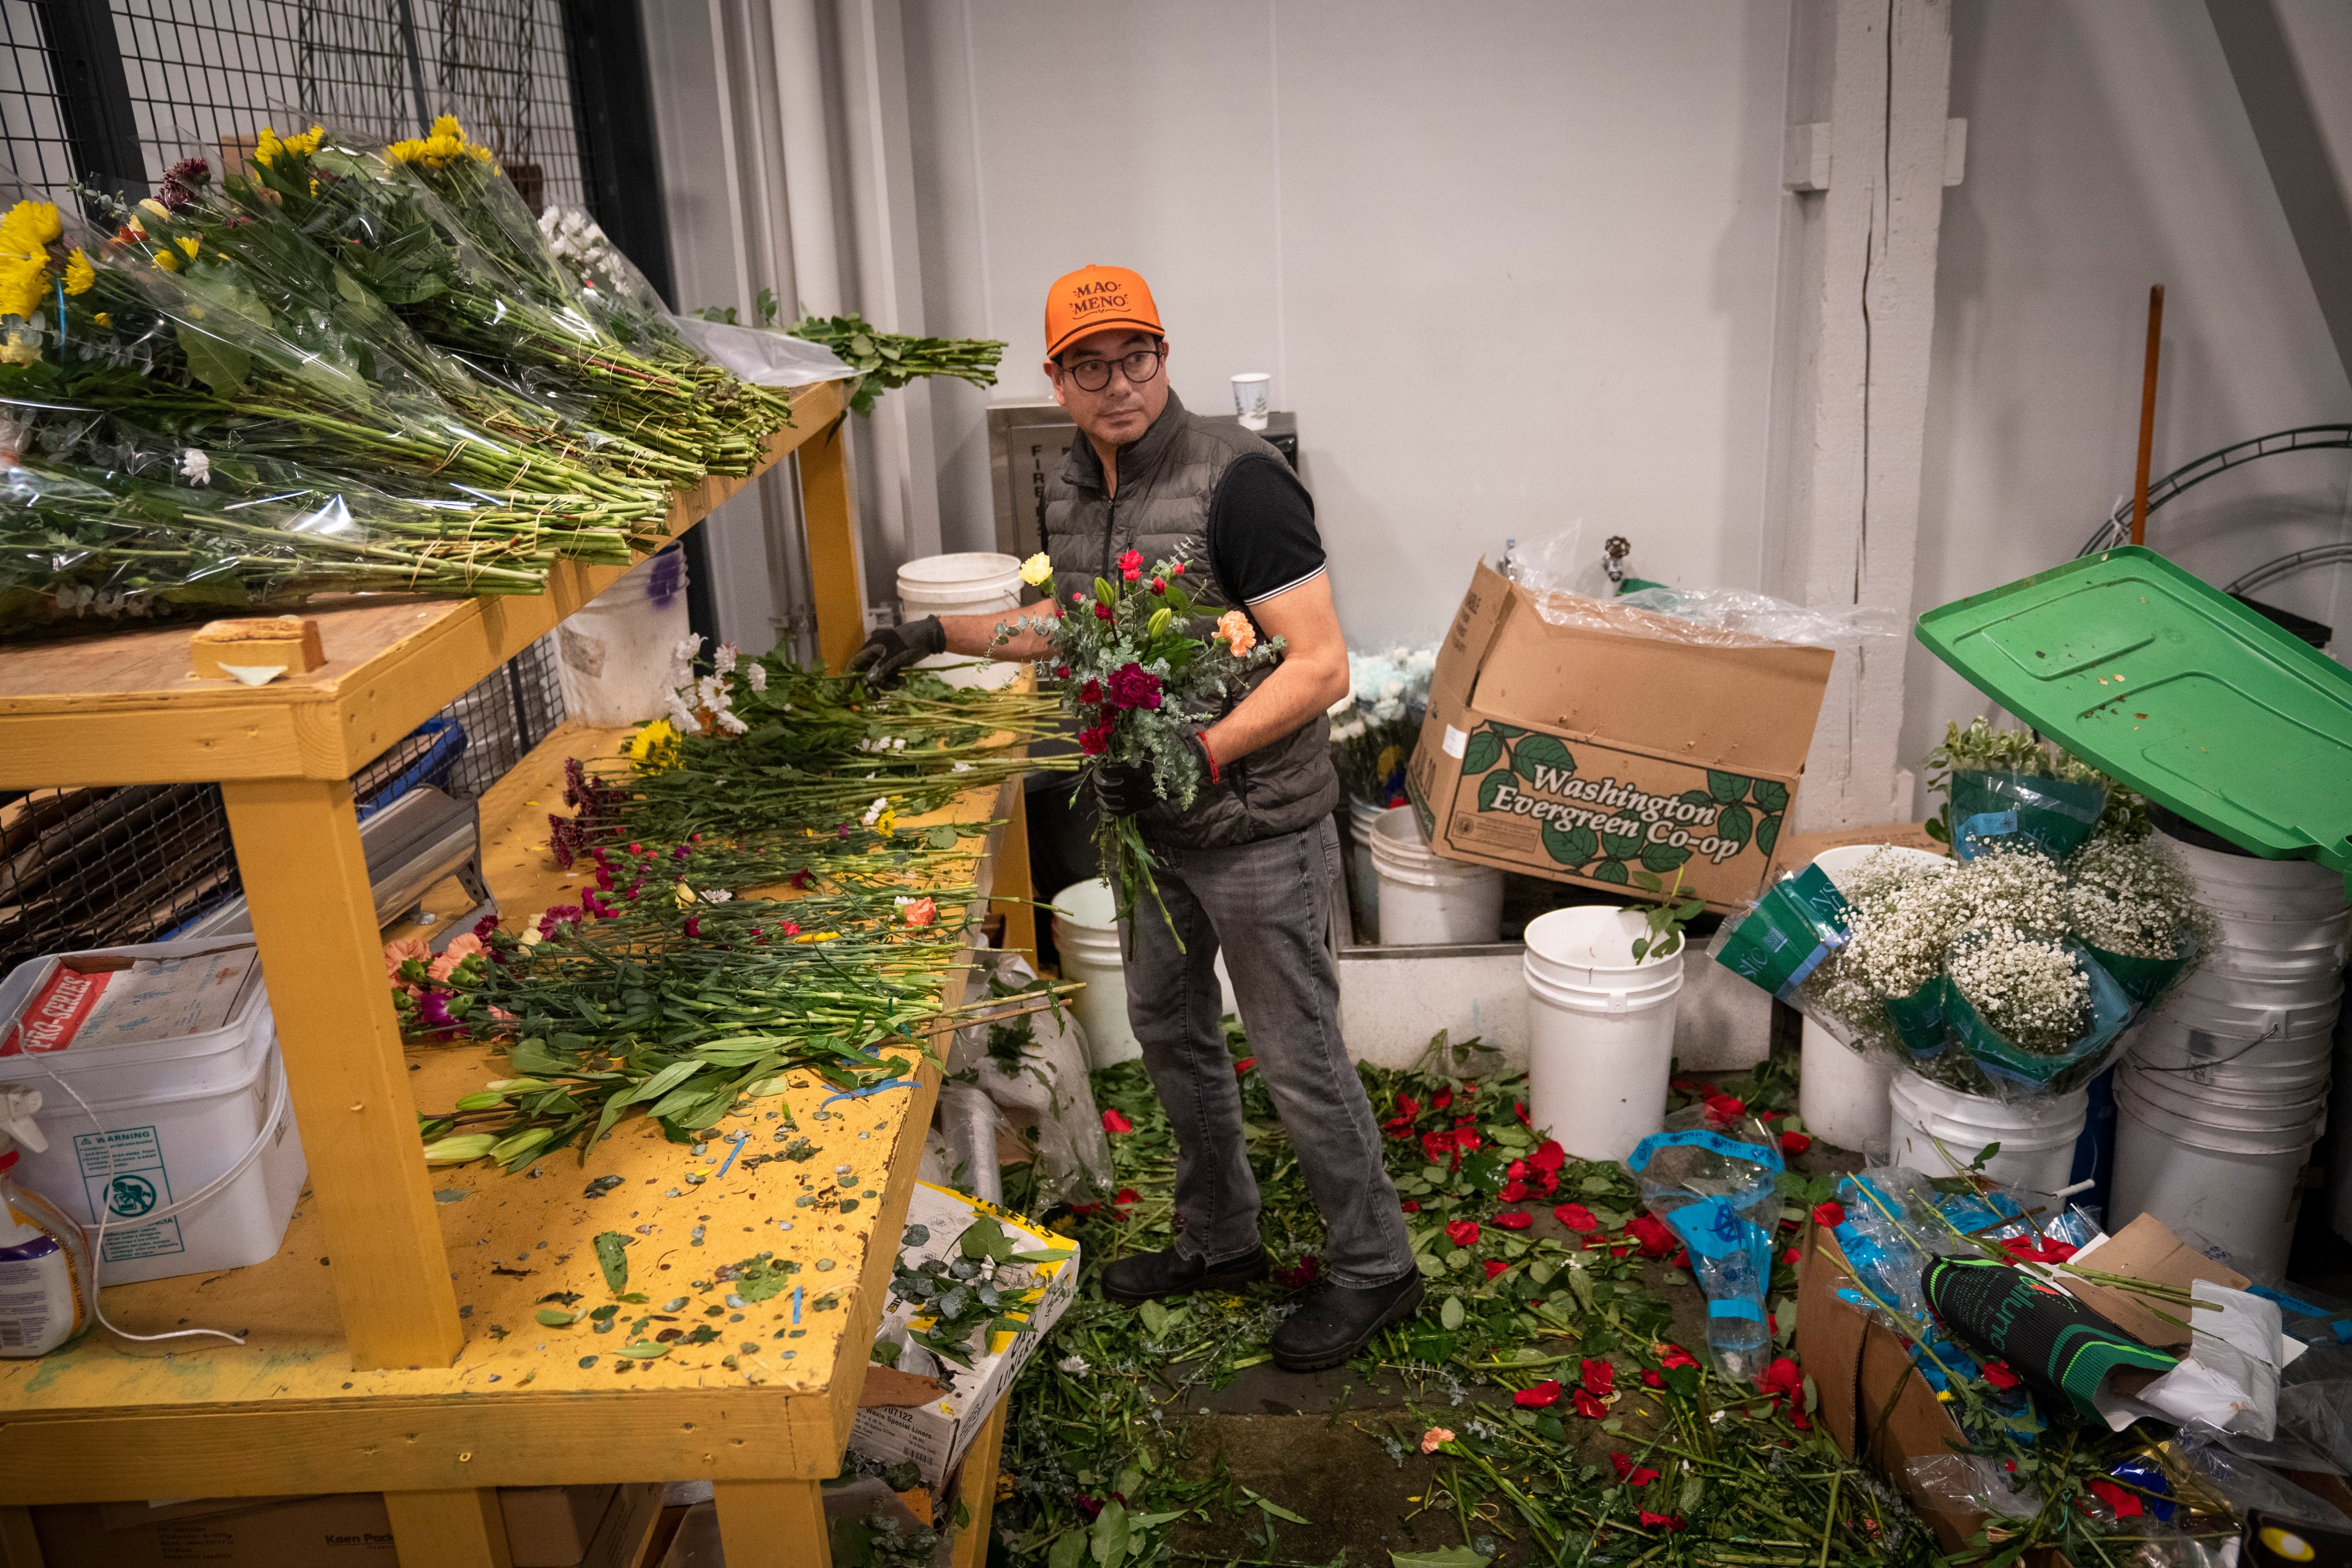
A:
1374,726
2010,971
1140,669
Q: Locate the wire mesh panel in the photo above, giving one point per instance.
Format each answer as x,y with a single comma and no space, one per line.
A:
205,75
32,122
87,867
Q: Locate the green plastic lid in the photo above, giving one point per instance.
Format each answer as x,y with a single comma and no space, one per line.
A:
2173,686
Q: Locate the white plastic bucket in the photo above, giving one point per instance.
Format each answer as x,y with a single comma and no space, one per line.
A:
1363,875
2249,885
614,655
2231,1110
1087,933
2236,1190
1841,1092
1425,899
2163,1047
188,1142
2036,1136
1600,1030
967,583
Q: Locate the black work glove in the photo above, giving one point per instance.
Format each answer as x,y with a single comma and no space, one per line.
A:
888,650
1126,789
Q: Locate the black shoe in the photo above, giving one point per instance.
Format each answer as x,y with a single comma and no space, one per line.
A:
1150,1276
1336,1322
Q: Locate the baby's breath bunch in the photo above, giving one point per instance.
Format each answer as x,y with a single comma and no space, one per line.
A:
2129,896
2030,988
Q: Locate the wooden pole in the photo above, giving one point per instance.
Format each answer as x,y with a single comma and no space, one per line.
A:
2148,415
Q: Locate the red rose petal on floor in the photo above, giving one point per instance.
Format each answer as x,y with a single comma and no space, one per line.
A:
1577,1217
1782,1378
1243,1066
1495,1266
1591,1409
1514,1219
1671,1356
1520,1109
1599,1376
1829,1214
1792,1255
1725,1107
2000,1374
1541,1394
1115,1121
1516,1170
1651,1232
1794,1142
1440,1099
1410,1207
1654,1380
1461,1232
1512,1192
1548,1156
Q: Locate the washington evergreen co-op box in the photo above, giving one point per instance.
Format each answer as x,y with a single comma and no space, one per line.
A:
1613,742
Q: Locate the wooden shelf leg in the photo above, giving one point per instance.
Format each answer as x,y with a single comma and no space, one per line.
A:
829,514
773,1524
1009,878
980,1463
19,1546
297,849
456,1529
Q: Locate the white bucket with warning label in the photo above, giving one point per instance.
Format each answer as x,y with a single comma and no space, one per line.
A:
171,1136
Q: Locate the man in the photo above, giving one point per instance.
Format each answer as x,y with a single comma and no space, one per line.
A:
1252,864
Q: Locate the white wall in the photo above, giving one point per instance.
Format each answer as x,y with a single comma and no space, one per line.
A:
2107,150
1512,265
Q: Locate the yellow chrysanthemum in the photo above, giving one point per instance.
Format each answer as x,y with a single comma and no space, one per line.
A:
167,261
306,143
19,352
266,147
23,281
80,273
887,822
655,746
29,227
447,125
188,243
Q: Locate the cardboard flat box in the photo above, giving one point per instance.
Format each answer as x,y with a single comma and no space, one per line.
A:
1858,1366
935,1432
2146,1249
1585,751
547,1527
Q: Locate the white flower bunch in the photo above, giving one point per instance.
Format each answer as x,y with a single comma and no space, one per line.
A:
577,237
1384,686
2129,896
2030,989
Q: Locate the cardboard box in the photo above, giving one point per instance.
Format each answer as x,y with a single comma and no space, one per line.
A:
547,1527
935,1432
1872,1404
1584,752
2146,1249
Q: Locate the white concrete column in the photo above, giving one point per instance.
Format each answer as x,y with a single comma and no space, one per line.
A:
1859,321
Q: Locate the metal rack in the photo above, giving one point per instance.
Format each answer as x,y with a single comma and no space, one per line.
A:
118,93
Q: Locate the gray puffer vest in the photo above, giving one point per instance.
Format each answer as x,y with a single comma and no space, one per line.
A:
1167,483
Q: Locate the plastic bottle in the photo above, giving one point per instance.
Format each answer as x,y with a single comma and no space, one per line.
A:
45,1274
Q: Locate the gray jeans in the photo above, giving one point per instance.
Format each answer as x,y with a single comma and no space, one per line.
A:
1269,905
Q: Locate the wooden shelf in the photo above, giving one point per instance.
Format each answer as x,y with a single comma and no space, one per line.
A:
123,707
394,1343
287,1412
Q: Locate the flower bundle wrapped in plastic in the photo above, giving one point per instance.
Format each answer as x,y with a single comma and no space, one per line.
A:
1714,1178
249,244
2011,971
652,391
162,335
77,547
1374,726
1141,666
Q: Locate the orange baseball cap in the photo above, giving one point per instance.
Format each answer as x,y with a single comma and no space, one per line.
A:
1093,297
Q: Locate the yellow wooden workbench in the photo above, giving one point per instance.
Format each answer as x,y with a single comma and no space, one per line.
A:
393,1342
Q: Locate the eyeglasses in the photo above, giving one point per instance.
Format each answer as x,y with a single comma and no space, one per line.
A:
1094,374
